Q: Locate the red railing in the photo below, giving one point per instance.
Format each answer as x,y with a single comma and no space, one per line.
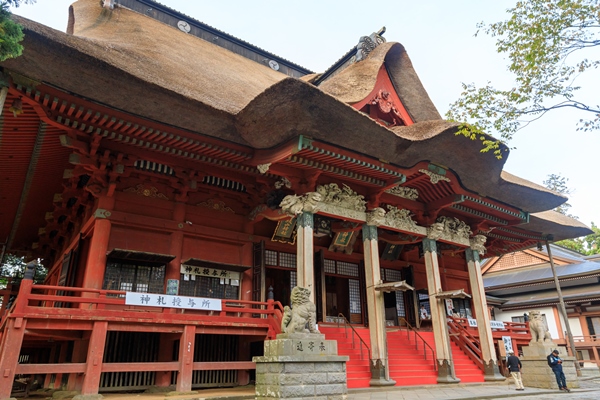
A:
418,338
465,340
59,301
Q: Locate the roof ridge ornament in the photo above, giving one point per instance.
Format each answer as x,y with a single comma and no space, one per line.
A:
366,44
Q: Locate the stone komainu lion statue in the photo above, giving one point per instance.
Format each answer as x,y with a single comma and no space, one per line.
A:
302,316
539,332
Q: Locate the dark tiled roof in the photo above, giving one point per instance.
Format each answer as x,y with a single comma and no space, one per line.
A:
541,273
570,295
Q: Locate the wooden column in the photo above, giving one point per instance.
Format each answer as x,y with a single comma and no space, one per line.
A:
95,353
380,374
9,354
446,373
486,340
75,381
165,354
93,276
174,267
186,359
305,253
62,358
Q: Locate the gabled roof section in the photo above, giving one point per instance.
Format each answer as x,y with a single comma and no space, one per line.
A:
519,260
358,80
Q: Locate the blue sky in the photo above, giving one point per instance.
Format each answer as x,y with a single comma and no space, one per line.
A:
439,37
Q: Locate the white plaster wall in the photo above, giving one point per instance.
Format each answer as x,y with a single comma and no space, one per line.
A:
506,316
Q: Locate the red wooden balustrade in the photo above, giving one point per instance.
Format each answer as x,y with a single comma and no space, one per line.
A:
55,310
467,342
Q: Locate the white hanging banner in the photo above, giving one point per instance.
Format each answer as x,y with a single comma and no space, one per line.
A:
164,300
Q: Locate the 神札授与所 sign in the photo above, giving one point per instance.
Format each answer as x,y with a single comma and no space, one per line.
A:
165,300
210,272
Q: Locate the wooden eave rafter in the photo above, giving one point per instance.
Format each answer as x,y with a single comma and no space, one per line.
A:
306,153
85,118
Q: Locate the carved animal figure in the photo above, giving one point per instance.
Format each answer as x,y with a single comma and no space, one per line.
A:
292,204
477,243
376,216
302,316
311,202
435,230
539,332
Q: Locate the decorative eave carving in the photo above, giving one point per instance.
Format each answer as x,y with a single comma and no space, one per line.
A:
433,177
450,229
477,243
400,219
294,204
385,104
283,182
263,168
216,205
376,217
344,197
151,191
404,192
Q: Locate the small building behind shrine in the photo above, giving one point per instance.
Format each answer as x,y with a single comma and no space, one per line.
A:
178,182
522,282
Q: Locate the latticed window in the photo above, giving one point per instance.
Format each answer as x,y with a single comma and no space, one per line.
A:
279,259
342,268
354,292
400,307
130,276
206,286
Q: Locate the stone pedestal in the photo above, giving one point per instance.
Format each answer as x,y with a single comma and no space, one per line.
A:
301,366
537,373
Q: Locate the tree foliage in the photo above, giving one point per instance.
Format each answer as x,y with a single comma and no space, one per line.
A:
11,33
547,43
558,184
587,245
13,266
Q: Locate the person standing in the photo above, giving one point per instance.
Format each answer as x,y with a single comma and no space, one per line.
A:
555,362
514,366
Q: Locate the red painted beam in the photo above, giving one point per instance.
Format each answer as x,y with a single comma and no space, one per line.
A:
66,368
206,366
141,366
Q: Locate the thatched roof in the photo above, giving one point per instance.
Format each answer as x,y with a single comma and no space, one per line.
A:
144,67
355,82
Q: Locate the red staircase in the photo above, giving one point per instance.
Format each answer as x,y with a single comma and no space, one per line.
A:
464,368
406,356
358,369
407,363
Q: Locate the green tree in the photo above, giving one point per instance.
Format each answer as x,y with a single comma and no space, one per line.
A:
558,184
14,267
11,33
547,43
587,245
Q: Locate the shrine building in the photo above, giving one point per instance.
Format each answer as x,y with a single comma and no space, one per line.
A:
178,182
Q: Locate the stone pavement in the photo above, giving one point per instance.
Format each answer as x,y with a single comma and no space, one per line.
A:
590,389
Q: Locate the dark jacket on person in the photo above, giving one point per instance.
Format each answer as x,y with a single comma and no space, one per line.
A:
555,362
514,364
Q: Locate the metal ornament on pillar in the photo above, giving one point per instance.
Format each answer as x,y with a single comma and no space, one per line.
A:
369,232
429,245
305,220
